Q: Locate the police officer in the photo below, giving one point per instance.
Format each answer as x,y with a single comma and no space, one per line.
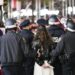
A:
27,35
66,50
55,28
12,53
56,31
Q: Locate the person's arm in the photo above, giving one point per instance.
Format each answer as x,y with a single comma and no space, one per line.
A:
57,51
28,52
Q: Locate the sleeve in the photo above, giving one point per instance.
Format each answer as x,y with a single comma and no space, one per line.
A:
57,51
23,46
26,49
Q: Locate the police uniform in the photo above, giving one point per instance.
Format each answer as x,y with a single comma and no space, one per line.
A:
11,50
66,50
56,31
29,58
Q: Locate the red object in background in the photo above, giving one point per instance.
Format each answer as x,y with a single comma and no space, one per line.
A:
1,72
13,4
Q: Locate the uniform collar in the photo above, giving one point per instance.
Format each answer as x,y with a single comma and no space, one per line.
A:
71,30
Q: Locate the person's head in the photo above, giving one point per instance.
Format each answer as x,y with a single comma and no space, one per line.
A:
10,24
53,20
25,24
71,25
41,22
43,35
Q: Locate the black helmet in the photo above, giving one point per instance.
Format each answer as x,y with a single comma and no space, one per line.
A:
41,22
25,23
70,25
53,20
10,23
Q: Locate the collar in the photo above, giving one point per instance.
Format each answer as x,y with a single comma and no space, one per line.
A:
71,30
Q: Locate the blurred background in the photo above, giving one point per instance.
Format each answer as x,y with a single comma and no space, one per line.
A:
34,9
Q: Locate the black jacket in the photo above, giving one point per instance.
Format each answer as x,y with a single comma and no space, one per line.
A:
11,48
28,35
30,54
44,52
55,31
65,48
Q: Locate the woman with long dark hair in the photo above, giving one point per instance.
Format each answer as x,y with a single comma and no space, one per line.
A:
43,45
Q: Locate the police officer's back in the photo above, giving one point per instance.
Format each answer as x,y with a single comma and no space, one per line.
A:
27,34
11,50
56,31
66,50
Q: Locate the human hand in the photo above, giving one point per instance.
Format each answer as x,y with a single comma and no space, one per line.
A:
46,65
38,54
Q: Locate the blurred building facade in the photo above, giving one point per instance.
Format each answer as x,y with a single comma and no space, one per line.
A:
64,6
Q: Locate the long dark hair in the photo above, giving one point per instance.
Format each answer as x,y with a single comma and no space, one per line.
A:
44,37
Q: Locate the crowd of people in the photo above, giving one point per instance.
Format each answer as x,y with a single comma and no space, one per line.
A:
28,48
